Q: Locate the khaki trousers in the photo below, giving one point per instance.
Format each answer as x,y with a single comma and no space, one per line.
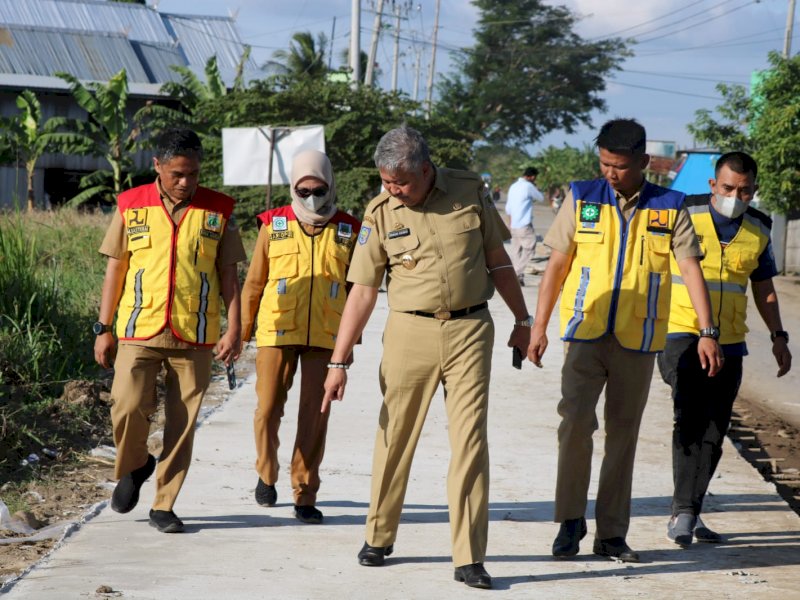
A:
418,354
523,247
626,375
275,369
133,392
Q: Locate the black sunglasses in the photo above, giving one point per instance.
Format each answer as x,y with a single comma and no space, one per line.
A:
305,192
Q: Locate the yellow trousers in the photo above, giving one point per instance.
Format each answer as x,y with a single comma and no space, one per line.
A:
419,353
133,392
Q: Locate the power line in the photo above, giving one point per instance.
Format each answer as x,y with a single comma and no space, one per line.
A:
676,76
664,16
665,91
692,26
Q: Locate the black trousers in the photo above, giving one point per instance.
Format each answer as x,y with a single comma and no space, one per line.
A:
702,408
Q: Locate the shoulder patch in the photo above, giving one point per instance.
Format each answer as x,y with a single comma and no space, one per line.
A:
363,235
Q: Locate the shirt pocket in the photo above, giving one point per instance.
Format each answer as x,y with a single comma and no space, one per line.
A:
283,259
205,254
657,256
399,246
337,258
464,223
282,311
141,241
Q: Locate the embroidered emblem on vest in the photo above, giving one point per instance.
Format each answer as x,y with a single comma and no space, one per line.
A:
345,230
279,224
213,222
590,213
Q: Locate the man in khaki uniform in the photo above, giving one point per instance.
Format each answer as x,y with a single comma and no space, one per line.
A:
172,250
610,244
441,243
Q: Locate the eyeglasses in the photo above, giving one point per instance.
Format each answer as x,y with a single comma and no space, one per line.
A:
305,192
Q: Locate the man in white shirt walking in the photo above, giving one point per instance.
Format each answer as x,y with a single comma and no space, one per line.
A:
519,207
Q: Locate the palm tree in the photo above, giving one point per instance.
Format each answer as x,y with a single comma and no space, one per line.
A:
107,133
27,137
305,57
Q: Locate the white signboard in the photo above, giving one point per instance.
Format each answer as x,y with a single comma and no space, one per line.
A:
245,152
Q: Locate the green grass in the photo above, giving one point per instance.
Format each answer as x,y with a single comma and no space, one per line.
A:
50,281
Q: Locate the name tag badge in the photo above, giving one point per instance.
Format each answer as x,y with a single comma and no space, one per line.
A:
280,235
345,230
280,224
398,233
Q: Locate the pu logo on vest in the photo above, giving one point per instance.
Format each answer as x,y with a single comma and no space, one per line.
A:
658,221
137,223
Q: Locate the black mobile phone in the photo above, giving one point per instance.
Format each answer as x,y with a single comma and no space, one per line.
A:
516,358
231,375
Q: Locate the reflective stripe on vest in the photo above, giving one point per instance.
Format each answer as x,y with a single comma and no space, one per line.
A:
726,271
619,279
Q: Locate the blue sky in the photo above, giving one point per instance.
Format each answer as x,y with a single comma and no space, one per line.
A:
684,46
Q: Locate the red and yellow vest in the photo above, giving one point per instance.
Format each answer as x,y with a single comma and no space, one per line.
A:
304,296
726,271
172,277
619,278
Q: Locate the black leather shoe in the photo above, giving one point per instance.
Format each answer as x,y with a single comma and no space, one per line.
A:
474,575
615,549
374,556
571,532
308,514
266,495
166,521
126,494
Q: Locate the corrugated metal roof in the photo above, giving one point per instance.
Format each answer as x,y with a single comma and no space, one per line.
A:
88,56
158,40
138,22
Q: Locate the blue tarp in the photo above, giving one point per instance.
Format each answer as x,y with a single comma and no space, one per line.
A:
694,172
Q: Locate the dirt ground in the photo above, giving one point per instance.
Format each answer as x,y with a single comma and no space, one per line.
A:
68,492
770,444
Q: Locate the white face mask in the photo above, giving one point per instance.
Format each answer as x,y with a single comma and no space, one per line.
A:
729,206
314,203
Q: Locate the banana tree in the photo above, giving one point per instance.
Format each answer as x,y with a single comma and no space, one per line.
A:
27,136
108,133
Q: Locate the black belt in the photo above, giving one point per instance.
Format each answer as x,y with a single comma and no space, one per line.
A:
446,315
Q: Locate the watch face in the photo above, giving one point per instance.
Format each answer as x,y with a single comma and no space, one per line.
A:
98,328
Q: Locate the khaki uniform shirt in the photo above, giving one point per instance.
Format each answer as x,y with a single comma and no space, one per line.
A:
115,245
562,232
434,254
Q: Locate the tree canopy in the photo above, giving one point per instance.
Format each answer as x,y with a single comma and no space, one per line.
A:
730,132
528,73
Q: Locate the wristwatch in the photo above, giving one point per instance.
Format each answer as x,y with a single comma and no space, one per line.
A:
99,328
526,322
779,334
710,332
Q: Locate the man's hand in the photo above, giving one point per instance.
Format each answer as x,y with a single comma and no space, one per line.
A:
710,354
105,350
520,338
335,383
780,349
228,347
537,346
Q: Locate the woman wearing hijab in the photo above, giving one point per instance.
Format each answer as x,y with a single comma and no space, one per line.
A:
296,286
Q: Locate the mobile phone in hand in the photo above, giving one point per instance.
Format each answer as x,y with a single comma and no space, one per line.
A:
516,358
231,375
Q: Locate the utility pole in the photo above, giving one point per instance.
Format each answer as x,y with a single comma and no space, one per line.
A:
779,221
330,52
373,47
417,68
355,41
429,98
396,7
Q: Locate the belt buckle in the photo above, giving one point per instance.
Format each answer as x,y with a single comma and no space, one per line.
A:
442,315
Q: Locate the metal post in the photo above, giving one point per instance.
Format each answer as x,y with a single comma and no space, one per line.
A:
432,70
269,167
373,47
333,35
396,45
355,42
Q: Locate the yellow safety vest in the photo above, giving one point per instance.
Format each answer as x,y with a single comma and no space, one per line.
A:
172,277
303,299
726,271
619,278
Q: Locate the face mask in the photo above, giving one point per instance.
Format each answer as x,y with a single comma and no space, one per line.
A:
729,206
315,203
